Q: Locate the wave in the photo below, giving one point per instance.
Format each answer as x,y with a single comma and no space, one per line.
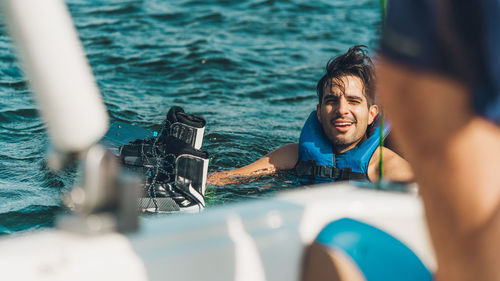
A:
29,218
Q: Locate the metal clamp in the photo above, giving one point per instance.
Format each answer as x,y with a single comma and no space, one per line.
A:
106,197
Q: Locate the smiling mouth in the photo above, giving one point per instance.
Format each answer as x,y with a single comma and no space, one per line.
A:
342,125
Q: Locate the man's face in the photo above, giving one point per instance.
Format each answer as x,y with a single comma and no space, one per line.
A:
345,115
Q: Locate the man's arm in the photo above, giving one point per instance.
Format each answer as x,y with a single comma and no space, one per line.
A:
283,158
395,167
455,156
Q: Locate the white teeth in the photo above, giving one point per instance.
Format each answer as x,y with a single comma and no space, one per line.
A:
342,124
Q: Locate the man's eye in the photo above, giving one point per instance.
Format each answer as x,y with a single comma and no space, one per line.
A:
354,101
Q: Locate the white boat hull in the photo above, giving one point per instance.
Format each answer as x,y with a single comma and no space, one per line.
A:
257,240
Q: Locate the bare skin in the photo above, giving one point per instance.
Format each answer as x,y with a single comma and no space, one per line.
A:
344,116
283,158
322,264
455,155
286,156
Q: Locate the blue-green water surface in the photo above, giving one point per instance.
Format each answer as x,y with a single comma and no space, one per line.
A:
249,67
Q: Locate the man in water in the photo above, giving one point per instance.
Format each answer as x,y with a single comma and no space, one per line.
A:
439,78
338,141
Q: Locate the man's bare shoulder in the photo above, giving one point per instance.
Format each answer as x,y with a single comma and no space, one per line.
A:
395,167
285,157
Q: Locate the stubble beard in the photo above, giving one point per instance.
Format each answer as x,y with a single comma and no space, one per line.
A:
342,142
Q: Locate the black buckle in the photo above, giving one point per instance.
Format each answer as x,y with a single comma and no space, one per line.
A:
324,171
345,173
305,168
310,169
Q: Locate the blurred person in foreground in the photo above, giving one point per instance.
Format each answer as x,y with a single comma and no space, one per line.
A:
439,79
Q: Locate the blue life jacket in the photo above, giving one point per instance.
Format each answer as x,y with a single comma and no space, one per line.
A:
319,163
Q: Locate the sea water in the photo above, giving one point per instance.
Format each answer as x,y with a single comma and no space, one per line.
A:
250,68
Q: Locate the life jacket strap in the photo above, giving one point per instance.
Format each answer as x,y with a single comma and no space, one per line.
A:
311,169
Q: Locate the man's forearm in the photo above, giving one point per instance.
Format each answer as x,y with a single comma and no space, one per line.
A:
283,158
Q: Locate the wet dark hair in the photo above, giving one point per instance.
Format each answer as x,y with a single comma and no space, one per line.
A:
355,62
